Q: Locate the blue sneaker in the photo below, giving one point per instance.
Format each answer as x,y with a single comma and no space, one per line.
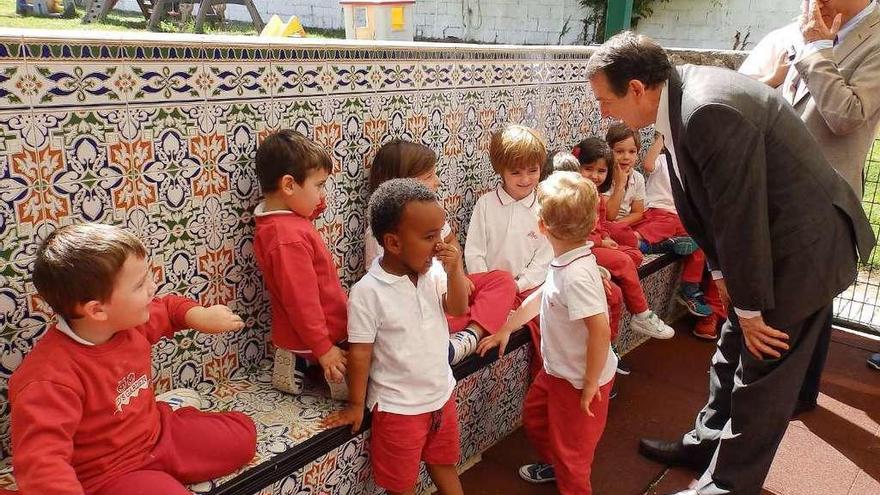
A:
537,473
874,361
693,299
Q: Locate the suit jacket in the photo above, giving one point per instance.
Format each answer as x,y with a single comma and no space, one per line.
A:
759,197
840,100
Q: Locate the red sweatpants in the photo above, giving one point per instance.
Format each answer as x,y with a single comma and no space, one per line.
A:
193,446
625,274
490,303
562,433
659,225
622,234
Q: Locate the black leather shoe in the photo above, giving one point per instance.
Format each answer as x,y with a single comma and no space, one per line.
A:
803,406
685,492
671,454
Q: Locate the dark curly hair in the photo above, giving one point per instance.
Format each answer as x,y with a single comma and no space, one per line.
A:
388,202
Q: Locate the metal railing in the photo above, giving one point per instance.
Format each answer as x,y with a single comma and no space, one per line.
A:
858,307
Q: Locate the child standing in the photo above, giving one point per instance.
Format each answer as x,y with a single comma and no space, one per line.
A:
567,405
308,303
398,366
84,415
491,294
503,233
621,260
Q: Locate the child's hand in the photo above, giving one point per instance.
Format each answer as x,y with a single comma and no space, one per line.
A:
591,392
609,243
352,415
471,287
333,362
214,319
449,256
498,340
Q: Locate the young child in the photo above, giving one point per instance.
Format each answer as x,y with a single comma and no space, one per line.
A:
398,367
84,415
621,260
503,233
308,303
567,405
560,161
491,295
626,197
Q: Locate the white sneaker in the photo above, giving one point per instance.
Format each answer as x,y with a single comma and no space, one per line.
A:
461,345
181,397
652,326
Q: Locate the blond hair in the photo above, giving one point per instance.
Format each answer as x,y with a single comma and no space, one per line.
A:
79,263
515,147
567,203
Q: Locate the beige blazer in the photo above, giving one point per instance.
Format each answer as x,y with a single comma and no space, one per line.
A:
840,100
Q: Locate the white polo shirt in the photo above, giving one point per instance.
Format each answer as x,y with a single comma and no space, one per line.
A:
635,191
573,291
409,372
503,235
373,250
658,189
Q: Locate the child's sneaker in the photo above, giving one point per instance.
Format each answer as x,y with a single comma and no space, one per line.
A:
874,361
288,372
693,299
613,393
682,246
622,368
461,345
706,328
181,397
537,473
651,325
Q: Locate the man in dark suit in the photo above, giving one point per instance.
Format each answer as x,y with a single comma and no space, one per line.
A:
781,231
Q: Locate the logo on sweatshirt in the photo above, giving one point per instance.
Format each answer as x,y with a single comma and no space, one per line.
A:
532,235
128,388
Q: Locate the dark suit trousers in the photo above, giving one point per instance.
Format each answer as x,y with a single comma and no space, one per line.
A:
750,405
810,388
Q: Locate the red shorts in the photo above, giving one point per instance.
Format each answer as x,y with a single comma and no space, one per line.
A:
400,442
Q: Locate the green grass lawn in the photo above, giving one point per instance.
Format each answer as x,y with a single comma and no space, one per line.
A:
118,20
871,200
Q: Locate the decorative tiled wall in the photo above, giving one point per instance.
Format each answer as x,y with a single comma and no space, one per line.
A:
159,137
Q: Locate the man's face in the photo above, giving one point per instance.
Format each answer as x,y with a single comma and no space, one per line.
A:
630,108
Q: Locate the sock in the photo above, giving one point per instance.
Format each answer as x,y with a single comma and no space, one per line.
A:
461,345
644,247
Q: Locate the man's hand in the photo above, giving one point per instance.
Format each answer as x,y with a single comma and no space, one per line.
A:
333,363
781,67
213,319
762,340
591,392
813,26
498,340
722,292
352,415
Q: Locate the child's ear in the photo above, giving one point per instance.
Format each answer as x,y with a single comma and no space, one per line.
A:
542,227
93,310
288,184
392,243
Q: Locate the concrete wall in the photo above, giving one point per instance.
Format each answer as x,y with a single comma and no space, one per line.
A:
498,21
714,23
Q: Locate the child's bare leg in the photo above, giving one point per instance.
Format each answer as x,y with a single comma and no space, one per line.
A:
446,478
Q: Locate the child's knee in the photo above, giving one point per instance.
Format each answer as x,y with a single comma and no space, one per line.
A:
243,436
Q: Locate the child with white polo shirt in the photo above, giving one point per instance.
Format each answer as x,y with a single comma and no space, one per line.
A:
397,363
503,233
567,405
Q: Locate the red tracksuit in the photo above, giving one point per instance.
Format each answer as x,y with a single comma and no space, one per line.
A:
623,263
659,225
85,420
489,304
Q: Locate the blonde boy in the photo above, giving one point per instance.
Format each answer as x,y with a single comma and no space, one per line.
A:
567,405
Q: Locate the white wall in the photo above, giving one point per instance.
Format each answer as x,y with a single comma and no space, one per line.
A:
714,23
500,21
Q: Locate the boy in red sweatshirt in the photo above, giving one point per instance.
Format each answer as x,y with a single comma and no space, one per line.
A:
84,416
309,317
